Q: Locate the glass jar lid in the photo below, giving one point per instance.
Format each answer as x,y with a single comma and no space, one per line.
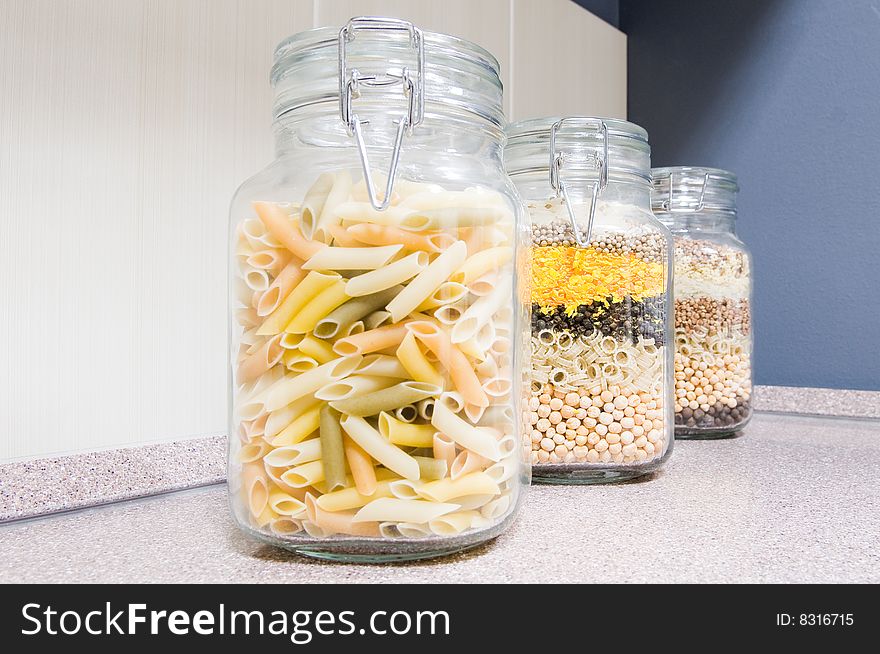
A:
579,147
691,189
447,74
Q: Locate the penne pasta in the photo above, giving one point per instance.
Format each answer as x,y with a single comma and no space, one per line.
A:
339,258
482,262
405,434
381,365
454,523
318,307
330,449
371,341
415,364
361,465
313,203
280,226
290,388
350,498
463,376
427,281
353,310
476,439
387,509
380,449
299,429
432,243
280,287
474,483
339,522
387,277
311,285
430,468
467,462
352,386
386,399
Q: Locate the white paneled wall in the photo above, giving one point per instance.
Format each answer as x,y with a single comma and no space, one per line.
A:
125,126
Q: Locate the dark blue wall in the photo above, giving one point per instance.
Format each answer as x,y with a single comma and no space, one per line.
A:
785,93
607,10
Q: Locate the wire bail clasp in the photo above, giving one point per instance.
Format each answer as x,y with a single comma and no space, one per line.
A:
667,203
556,161
350,83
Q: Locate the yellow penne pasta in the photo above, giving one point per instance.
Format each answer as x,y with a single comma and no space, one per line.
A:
405,434
477,439
339,258
298,429
413,360
290,388
380,449
350,498
310,286
284,504
427,281
444,490
482,262
304,475
318,307
317,349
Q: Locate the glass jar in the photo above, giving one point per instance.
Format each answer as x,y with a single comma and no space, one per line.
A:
601,369
713,286
373,303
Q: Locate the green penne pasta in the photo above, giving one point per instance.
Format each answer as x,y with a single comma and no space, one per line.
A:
332,454
353,310
386,399
430,468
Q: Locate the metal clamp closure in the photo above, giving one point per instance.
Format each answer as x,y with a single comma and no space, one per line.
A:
601,159
667,203
350,83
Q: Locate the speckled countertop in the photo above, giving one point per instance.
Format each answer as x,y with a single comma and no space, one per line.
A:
793,500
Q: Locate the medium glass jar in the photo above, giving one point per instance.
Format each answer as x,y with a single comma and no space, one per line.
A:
713,286
601,370
374,409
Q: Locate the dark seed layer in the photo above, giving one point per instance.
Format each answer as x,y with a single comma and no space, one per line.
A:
625,320
718,416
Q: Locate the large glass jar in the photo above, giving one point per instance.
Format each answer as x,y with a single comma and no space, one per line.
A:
713,285
374,409
601,370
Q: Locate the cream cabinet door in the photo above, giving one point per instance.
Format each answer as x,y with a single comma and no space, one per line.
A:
565,60
125,128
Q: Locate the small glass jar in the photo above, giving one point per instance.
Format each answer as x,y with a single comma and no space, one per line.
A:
601,371
713,287
373,303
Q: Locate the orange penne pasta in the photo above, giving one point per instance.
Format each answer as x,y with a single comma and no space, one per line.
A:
371,341
338,522
372,234
281,287
463,376
266,356
342,237
361,466
280,226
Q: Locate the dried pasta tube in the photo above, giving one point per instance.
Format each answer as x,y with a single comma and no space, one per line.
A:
427,281
386,399
361,466
280,287
287,233
463,376
339,522
332,451
391,456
